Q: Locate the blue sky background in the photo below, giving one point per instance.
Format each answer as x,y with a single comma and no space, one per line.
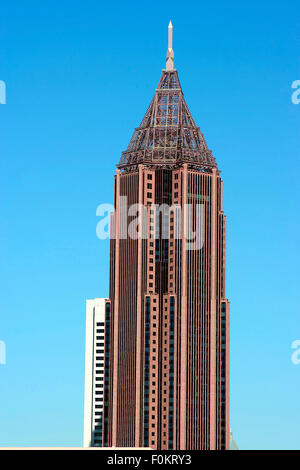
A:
79,78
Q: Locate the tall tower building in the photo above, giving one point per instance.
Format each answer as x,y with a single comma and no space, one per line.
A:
167,357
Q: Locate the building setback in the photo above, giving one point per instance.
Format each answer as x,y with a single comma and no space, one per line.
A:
167,330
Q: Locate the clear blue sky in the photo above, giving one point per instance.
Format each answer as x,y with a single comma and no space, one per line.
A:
79,78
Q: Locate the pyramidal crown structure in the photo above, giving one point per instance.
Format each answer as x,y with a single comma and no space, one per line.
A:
168,134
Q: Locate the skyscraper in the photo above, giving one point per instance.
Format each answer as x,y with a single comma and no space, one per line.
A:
167,332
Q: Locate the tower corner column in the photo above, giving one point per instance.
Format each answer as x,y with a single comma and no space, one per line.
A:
213,238
116,314
139,316
183,334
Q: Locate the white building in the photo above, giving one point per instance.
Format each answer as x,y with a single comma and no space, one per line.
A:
94,372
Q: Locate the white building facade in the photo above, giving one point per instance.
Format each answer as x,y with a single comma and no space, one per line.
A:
94,372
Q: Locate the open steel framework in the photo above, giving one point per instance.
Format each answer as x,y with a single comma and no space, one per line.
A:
168,134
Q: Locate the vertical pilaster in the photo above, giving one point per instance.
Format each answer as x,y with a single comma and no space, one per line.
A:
116,314
213,239
227,375
183,340
227,340
139,315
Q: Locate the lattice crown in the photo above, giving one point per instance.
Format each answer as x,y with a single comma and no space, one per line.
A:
168,133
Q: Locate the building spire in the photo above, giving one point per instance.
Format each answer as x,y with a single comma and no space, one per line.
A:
170,52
